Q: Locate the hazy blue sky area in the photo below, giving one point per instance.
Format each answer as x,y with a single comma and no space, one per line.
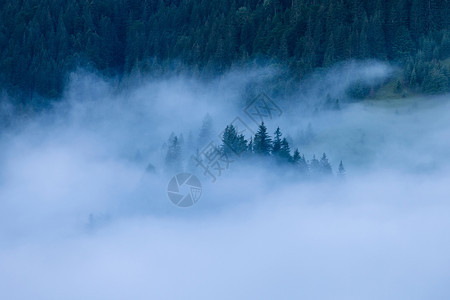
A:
81,219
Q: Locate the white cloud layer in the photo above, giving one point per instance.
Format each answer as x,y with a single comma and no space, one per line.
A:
80,218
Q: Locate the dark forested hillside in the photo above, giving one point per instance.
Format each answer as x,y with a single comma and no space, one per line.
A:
40,40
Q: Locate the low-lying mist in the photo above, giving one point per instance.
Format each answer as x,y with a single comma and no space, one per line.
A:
82,216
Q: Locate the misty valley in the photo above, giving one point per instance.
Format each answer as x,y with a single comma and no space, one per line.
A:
102,174
225,149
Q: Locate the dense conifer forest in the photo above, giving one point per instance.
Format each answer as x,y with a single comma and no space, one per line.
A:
42,40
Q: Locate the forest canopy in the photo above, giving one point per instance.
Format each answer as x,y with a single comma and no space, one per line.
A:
42,40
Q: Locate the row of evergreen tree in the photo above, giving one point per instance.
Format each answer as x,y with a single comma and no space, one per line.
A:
234,145
278,148
41,40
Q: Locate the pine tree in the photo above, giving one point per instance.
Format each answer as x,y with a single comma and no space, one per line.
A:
276,141
299,162
232,142
285,151
241,144
229,138
314,166
262,143
325,166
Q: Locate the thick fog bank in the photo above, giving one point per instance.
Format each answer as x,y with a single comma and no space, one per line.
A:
83,216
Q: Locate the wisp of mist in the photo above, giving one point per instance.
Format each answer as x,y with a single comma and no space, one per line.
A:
81,218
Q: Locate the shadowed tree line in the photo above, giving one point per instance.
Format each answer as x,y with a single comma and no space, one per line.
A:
262,146
41,40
